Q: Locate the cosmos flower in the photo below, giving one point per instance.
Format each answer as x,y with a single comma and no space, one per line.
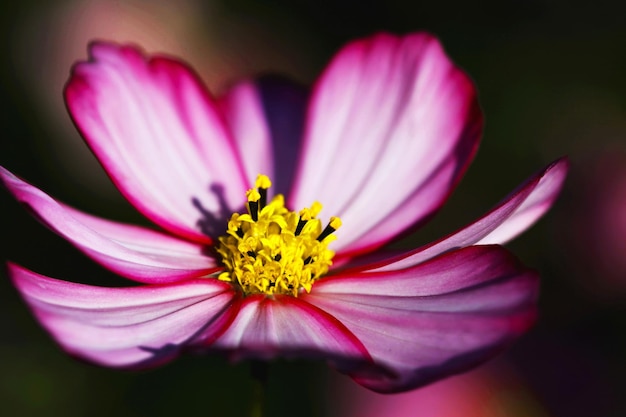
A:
273,205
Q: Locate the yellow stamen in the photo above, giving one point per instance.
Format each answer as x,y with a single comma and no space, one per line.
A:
253,196
273,250
263,181
335,222
316,208
305,214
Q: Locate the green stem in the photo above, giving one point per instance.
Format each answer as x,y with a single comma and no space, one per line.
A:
259,371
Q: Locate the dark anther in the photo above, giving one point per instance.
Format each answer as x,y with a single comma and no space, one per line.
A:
308,260
300,226
251,253
277,257
254,209
263,199
327,231
239,232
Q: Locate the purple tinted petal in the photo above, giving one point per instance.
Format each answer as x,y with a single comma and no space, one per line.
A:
155,129
131,251
266,117
127,327
285,326
510,217
392,126
435,319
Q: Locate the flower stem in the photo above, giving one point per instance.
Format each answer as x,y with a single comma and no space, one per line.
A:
259,371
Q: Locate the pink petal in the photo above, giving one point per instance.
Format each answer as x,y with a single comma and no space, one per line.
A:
391,128
285,326
127,327
266,117
435,319
533,207
517,212
155,129
131,251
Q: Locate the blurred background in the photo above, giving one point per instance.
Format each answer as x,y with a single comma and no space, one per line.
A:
552,81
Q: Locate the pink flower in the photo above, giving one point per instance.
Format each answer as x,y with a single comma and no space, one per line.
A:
381,141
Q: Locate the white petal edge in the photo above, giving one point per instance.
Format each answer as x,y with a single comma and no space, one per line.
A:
127,327
514,214
392,125
134,252
284,326
158,134
441,317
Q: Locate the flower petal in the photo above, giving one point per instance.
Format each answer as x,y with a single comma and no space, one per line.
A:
155,129
287,327
549,184
435,319
127,327
266,117
392,126
134,252
510,217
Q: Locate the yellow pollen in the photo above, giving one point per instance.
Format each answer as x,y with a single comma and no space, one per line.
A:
253,195
335,222
271,250
263,181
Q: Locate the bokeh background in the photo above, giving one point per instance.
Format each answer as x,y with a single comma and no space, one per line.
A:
552,81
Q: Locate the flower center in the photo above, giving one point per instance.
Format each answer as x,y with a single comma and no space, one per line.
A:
271,250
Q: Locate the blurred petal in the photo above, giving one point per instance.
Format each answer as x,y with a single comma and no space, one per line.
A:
155,129
285,326
392,126
435,319
489,392
127,327
510,217
266,117
243,111
134,252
